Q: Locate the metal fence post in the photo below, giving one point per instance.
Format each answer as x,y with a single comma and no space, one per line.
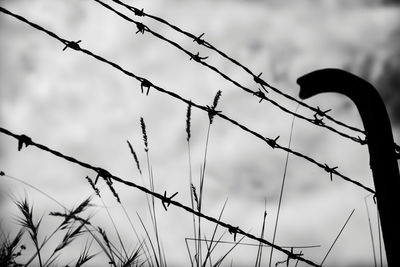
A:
383,161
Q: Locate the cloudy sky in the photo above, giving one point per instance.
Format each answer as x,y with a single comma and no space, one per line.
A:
88,110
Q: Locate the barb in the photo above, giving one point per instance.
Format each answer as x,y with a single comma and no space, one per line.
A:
145,84
269,141
260,94
72,45
23,140
164,199
256,78
233,230
272,142
330,170
197,57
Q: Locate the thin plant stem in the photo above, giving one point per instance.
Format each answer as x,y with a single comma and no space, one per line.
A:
213,235
115,227
380,240
148,237
370,230
282,186
260,246
337,237
202,176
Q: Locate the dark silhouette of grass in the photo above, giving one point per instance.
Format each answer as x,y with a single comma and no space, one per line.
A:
282,187
74,227
11,248
260,246
27,222
370,230
337,237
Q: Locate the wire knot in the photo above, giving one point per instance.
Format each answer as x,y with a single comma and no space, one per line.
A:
2,173
139,12
106,175
260,81
197,57
141,28
233,231
330,170
212,112
23,140
73,45
318,121
145,85
166,201
321,113
198,39
260,94
361,141
289,256
272,142
107,178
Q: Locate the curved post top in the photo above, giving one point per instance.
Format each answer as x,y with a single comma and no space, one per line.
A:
378,130
333,80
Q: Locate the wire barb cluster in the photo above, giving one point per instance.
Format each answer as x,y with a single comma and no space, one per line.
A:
272,142
107,177
233,231
166,201
23,140
330,170
197,57
73,45
141,28
288,258
145,85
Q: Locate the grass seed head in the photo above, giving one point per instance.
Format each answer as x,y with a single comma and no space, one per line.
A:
143,125
188,118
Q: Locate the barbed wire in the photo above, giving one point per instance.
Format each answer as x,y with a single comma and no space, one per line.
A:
166,201
319,114
272,142
257,78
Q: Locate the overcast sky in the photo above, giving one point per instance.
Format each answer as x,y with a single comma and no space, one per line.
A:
88,110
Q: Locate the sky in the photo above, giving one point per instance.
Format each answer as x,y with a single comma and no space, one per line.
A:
86,109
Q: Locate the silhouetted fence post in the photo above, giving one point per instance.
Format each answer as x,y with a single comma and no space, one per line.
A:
380,142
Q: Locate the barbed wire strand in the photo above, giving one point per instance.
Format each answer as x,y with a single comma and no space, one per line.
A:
27,141
203,42
142,28
272,142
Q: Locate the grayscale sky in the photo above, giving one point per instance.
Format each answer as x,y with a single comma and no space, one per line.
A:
86,109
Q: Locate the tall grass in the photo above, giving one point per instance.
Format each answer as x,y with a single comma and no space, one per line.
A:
75,225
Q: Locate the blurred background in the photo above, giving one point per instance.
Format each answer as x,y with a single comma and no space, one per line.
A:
86,109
